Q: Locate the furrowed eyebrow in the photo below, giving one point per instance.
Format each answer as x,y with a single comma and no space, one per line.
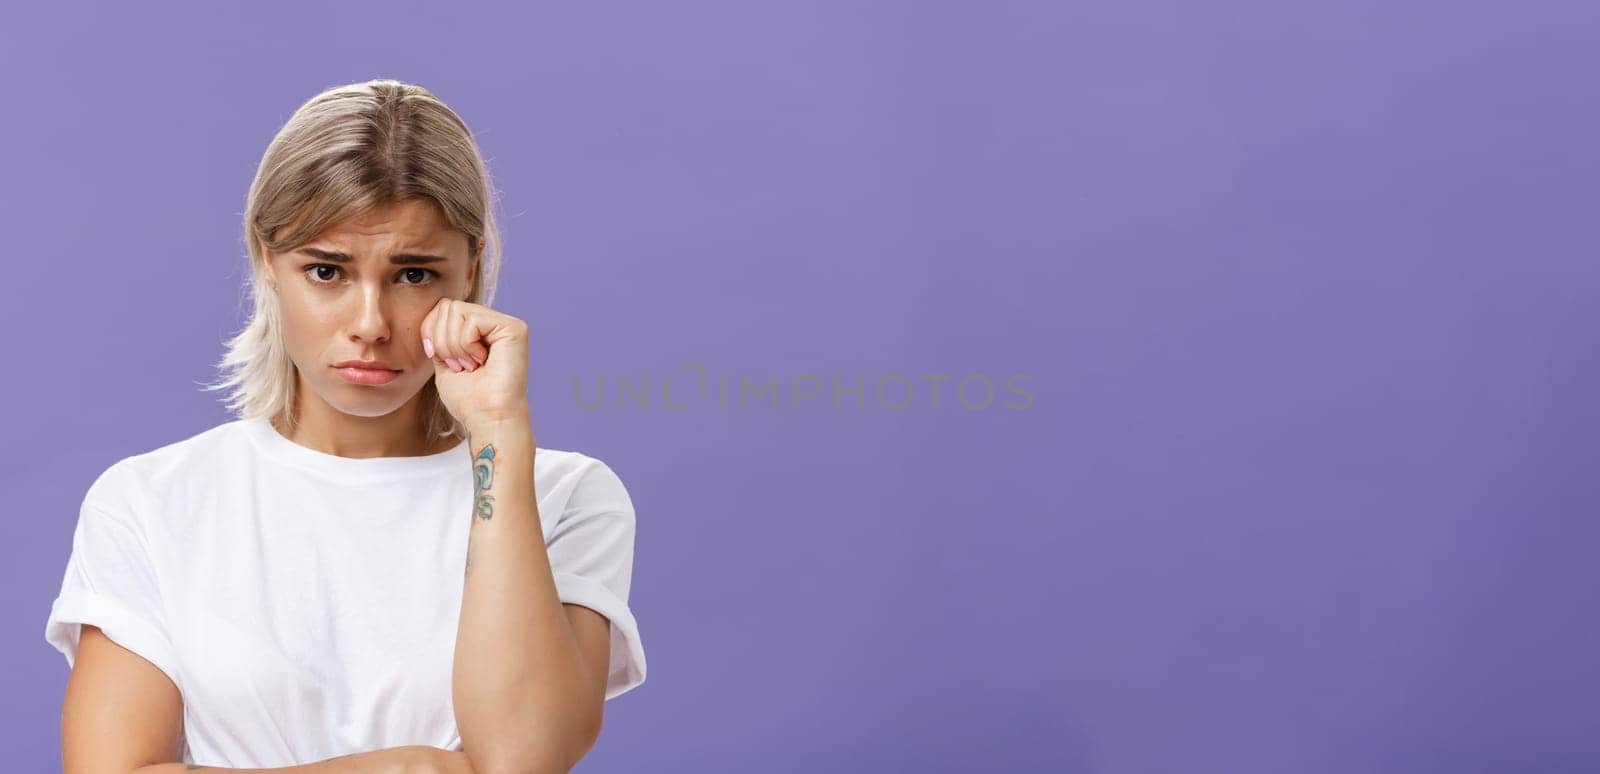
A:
400,260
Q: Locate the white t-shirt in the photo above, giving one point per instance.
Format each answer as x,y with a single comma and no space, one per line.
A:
306,604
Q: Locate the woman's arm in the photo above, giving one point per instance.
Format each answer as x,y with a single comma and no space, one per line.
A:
410,759
395,760
526,699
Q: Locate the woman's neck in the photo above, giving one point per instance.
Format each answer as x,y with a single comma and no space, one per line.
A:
395,435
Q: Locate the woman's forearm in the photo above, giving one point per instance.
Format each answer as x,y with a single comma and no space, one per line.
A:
394,760
520,689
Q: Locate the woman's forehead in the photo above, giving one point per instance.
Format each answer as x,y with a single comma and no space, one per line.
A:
406,225
418,216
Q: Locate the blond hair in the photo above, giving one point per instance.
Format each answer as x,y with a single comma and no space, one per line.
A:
343,152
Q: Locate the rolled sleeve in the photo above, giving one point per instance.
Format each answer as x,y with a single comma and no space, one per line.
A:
591,559
110,583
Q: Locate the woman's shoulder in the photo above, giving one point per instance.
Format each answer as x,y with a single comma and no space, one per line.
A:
570,479
554,465
136,476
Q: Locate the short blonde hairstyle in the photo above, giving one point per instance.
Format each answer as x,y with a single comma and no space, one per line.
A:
345,151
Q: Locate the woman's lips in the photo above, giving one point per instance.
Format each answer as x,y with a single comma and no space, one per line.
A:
368,376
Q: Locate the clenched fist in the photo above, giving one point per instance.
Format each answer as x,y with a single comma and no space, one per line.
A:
480,360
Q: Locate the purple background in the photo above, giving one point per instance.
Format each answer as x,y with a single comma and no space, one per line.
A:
1307,296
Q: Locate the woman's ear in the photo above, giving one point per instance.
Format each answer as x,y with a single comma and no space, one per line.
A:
266,258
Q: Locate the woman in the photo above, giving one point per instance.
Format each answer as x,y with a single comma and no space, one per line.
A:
351,571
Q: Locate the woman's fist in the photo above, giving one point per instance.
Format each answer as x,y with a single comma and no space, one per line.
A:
480,360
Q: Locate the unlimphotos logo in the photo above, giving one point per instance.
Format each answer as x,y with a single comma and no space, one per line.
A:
895,392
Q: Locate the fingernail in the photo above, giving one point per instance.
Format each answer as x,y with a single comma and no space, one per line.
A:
427,346
454,363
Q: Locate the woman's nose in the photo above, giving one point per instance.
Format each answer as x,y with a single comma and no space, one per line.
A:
371,320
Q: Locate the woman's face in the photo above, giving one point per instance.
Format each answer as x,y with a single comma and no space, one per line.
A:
359,291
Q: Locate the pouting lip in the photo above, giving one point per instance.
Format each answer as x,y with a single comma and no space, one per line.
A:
376,365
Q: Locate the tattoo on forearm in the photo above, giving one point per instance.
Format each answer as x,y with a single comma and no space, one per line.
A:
483,502
483,473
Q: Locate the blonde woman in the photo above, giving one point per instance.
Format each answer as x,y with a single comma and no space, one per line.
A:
373,568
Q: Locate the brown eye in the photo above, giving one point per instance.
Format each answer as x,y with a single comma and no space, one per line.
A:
317,269
426,274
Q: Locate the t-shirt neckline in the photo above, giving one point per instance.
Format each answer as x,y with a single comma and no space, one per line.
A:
276,445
